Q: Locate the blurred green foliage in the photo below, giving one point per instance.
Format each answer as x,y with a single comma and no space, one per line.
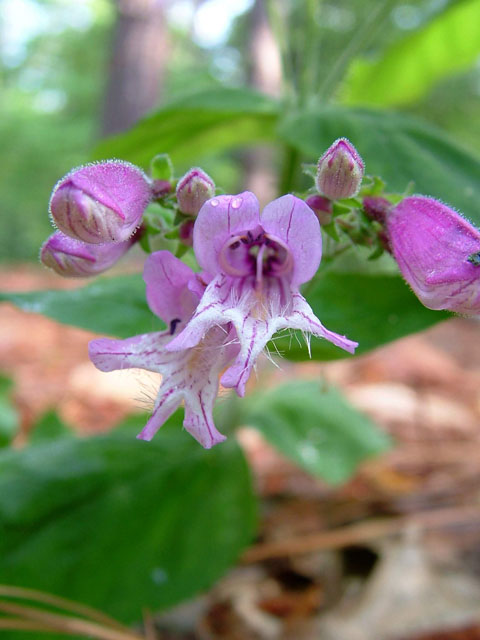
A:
50,97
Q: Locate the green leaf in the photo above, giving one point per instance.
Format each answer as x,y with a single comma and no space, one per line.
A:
398,148
372,309
410,67
122,524
9,421
113,306
197,125
49,427
316,428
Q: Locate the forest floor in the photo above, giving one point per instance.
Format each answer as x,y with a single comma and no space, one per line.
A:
394,554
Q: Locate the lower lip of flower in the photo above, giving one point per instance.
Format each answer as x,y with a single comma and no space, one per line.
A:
256,254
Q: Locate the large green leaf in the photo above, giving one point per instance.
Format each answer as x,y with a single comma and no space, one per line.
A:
200,124
122,524
398,148
411,66
372,309
114,306
316,428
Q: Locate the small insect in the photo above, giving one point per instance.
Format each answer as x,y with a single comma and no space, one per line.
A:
173,325
474,259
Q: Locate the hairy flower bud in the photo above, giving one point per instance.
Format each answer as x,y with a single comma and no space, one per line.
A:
340,171
435,248
193,190
322,207
101,202
75,259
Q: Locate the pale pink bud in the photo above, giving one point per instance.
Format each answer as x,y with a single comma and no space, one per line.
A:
75,259
101,202
322,207
340,171
193,190
437,250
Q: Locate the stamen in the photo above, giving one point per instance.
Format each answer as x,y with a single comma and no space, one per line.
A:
259,273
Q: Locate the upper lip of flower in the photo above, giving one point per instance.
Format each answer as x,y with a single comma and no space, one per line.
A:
286,227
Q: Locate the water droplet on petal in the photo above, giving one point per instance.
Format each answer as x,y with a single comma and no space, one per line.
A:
236,203
214,202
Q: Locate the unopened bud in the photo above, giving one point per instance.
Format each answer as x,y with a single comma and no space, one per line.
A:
101,202
193,190
75,259
160,188
340,171
433,246
376,208
322,207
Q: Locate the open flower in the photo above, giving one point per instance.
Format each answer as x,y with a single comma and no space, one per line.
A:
438,253
257,263
173,292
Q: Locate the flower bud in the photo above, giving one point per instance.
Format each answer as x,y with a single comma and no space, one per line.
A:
340,171
322,207
376,208
193,190
160,189
101,202
435,248
75,259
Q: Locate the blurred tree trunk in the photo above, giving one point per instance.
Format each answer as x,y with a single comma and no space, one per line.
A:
139,54
265,74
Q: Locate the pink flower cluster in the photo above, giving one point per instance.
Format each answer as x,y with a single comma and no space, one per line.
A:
220,320
252,264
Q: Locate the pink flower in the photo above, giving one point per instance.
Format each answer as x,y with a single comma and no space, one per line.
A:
437,251
101,202
249,289
173,292
257,263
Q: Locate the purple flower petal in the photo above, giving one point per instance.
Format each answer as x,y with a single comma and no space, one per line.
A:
303,318
294,223
256,314
171,288
145,351
190,376
219,219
